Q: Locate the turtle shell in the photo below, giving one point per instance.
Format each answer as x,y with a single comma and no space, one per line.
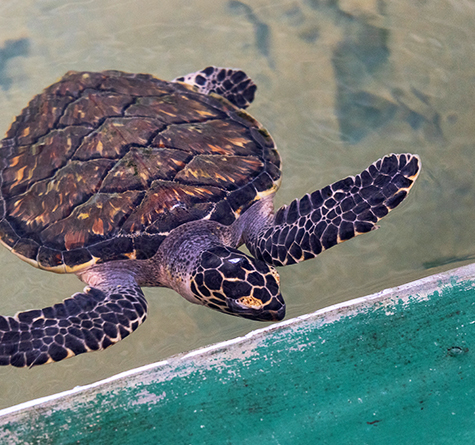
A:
102,166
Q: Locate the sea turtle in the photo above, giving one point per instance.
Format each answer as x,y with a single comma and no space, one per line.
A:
126,181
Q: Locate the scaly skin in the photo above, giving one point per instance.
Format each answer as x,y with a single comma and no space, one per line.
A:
337,213
88,321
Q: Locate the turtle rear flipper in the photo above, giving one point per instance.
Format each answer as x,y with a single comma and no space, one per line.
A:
230,83
88,321
337,213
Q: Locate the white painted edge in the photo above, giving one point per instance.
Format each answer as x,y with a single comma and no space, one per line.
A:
419,289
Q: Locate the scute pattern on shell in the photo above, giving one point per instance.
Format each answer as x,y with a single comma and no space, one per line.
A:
101,166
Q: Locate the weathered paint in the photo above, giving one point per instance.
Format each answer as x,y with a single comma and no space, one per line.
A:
394,367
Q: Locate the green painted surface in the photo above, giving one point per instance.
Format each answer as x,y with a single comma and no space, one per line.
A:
394,368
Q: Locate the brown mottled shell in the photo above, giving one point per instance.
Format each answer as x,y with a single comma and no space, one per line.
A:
102,166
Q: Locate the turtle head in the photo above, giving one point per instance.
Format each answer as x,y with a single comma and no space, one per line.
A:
232,282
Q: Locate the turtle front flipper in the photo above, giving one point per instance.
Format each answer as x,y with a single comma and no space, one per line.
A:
337,213
88,321
230,83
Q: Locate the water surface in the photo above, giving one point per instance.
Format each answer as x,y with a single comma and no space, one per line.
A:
341,83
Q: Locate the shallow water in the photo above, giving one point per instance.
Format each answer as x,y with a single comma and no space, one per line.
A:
341,83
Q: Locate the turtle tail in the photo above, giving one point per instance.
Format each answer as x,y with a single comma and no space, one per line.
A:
337,213
88,321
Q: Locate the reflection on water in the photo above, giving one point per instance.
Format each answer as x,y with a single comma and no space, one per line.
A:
341,83
10,50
